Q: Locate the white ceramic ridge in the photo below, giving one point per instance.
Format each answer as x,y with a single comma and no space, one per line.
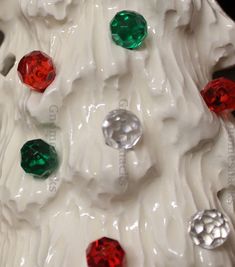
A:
182,162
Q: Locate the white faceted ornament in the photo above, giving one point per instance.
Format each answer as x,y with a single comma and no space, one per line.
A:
209,229
122,129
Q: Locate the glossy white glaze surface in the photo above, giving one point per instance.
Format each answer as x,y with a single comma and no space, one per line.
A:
178,167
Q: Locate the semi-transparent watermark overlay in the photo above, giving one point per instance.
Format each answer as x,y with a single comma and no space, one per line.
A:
231,164
51,134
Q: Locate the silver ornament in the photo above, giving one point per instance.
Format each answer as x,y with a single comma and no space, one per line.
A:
122,129
209,229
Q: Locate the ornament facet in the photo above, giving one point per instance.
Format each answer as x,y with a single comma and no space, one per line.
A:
128,29
122,129
219,95
39,158
209,229
105,252
36,70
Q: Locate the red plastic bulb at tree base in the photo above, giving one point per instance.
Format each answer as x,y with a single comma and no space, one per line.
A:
105,252
219,95
36,70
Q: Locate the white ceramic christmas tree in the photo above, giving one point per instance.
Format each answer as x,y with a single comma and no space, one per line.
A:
143,197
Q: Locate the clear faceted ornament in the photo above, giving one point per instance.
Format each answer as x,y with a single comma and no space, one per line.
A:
122,129
209,229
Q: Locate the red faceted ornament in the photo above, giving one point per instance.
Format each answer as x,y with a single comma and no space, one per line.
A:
105,252
36,69
219,95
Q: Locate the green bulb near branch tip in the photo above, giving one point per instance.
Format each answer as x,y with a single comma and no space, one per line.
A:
39,159
129,29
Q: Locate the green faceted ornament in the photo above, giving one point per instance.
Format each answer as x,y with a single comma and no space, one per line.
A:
129,29
39,158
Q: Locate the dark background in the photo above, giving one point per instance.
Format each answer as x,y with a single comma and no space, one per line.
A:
228,6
